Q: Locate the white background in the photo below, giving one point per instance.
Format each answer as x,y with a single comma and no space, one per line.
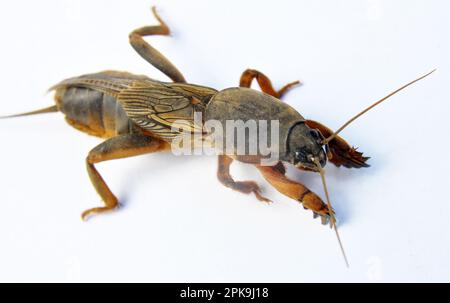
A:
179,224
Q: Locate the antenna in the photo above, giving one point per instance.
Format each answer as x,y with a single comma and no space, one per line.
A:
327,140
330,209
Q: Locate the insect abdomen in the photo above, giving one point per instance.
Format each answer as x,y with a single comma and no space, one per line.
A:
93,112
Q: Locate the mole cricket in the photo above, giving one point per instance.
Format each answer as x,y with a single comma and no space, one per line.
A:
136,115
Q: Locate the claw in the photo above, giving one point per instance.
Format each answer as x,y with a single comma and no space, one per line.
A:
261,197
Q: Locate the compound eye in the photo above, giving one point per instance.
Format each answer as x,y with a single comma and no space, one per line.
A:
315,134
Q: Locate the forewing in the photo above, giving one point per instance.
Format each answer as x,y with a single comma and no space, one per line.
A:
159,109
107,82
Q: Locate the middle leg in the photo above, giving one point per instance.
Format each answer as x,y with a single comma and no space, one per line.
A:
246,187
264,82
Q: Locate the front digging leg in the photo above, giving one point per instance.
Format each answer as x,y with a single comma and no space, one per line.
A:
294,190
340,152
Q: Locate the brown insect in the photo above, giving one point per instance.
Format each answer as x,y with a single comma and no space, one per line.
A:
135,115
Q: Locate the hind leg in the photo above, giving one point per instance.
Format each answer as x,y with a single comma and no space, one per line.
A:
264,82
150,54
246,187
116,148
